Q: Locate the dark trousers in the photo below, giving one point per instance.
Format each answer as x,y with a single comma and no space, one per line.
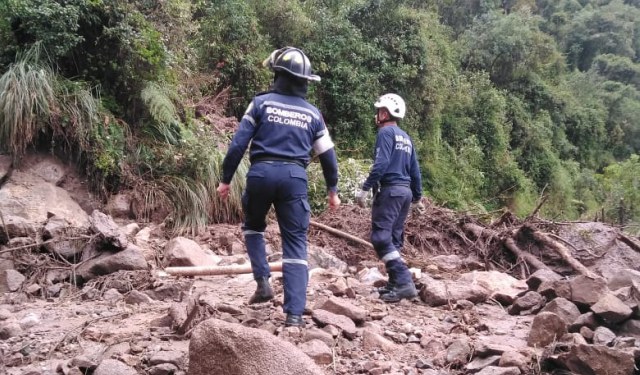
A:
388,214
283,185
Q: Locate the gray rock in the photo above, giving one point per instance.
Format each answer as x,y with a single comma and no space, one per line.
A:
113,367
183,252
10,281
318,334
137,298
57,229
603,336
630,328
587,290
585,320
373,341
537,278
595,359
119,206
493,370
323,318
478,363
530,303
317,350
611,309
343,307
555,288
514,359
9,329
112,295
623,278
129,259
16,226
163,369
174,357
564,308
447,262
41,200
108,231
438,293
217,347
459,352
546,328
587,333
319,258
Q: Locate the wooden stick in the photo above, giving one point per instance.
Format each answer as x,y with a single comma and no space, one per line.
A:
341,234
217,270
559,248
534,262
629,241
509,243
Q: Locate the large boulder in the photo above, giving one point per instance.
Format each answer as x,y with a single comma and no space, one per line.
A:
598,360
439,292
546,328
32,198
218,347
129,259
184,252
503,287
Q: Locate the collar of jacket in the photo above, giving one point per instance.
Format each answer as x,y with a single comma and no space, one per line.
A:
287,85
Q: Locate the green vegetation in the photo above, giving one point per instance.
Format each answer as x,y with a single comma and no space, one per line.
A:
507,100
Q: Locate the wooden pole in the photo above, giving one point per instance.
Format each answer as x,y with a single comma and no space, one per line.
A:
341,234
509,243
564,253
217,270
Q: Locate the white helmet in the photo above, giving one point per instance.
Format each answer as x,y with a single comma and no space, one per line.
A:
393,103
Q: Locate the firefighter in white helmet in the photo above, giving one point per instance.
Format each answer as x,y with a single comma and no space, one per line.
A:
396,180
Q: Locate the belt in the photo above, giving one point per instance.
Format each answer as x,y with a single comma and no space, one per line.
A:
280,159
404,184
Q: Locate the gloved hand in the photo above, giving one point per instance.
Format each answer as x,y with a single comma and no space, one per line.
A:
418,207
361,198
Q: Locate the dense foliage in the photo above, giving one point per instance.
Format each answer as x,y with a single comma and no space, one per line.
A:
507,100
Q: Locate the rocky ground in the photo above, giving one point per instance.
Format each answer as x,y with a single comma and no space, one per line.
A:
82,292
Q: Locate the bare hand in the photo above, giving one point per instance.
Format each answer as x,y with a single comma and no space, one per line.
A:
334,200
223,190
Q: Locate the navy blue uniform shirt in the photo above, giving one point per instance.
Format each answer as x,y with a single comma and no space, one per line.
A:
395,162
280,126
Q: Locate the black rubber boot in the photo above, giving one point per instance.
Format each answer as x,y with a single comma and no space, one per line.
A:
386,289
263,291
406,291
294,321
390,284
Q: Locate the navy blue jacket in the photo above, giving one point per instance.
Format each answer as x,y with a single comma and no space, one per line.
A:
283,127
395,162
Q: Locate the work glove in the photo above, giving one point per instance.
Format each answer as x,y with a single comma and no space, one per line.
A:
361,198
418,207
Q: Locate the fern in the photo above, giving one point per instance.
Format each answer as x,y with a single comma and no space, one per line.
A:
158,100
26,97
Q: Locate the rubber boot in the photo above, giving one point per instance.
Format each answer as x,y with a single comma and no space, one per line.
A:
294,321
263,291
390,284
406,291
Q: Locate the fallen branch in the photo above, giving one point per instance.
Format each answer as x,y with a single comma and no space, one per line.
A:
538,207
508,242
4,226
629,242
341,234
559,248
46,242
217,270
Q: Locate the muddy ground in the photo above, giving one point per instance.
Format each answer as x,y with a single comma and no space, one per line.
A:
60,332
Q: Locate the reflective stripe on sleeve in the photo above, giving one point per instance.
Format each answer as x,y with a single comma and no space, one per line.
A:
323,144
250,119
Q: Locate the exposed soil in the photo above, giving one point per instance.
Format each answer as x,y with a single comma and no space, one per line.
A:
104,325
